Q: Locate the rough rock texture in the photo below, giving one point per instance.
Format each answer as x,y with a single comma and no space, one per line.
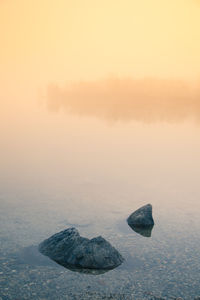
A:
142,217
68,248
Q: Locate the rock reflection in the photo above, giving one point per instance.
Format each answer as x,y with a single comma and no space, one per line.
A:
146,100
144,231
85,271
31,256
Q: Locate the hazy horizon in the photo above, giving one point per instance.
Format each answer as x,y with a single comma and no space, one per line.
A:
126,99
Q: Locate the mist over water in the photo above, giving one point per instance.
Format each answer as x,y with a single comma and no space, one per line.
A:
99,115
115,99
87,157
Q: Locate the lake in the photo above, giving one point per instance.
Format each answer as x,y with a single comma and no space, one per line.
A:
89,164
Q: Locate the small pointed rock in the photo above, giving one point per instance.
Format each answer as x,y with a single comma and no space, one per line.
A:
142,217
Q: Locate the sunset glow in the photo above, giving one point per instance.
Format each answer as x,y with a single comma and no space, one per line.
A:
71,40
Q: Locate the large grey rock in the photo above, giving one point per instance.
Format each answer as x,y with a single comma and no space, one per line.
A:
142,217
69,249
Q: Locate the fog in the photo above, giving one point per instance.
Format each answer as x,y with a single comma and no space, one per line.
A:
115,99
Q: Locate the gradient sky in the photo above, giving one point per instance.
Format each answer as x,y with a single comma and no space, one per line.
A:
47,40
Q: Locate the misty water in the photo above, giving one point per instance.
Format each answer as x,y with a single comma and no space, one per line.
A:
77,166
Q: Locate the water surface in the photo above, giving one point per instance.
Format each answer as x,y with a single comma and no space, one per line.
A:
67,164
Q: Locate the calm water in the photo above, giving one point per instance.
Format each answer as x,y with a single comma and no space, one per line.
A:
90,168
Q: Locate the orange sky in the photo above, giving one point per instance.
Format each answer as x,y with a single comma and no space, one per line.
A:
47,40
